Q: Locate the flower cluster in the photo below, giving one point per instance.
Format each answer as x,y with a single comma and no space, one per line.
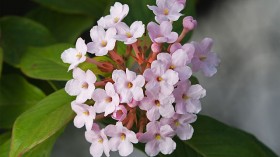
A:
149,102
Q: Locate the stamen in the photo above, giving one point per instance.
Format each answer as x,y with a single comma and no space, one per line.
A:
128,34
85,85
79,55
185,97
159,79
116,19
202,58
123,136
86,113
157,103
172,67
165,11
109,99
157,137
103,43
129,85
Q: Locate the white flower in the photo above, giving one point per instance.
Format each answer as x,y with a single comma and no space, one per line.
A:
82,85
130,34
75,56
102,41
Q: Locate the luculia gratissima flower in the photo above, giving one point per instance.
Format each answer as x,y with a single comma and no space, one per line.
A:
150,101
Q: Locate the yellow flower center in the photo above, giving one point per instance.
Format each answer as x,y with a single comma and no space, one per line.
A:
159,79
165,11
158,137
202,58
116,19
79,55
122,136
157,103
100,140
172,67
103,43
109,99
85,85
129,85
177,123
86,113
128,34
185,97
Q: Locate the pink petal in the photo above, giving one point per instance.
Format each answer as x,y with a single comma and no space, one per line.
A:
167,146
96,149
152,148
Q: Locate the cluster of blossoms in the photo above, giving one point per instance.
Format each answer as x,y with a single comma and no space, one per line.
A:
154,102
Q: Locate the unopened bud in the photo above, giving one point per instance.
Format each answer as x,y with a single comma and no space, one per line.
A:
156,47
189,23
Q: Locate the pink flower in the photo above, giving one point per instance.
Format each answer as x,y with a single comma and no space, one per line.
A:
105,100
162,33
177,62
180,123
160,78
120,113
167,10
183,2
82,85
158,138
130,34
102,41
187,97
128,85
189,23
75,56
117,13
121,138
188,48
204,59
85,115
99,141
157,105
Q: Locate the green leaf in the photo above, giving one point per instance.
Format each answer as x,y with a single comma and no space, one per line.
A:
4,148
41,122
43,149
18,33
212,139
92,8
65,27
1,61
16,96
45,63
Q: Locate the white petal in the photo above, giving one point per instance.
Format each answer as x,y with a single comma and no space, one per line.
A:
125,148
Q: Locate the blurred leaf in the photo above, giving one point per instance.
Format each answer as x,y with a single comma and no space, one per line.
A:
4,137
18,33
193,80
45,63
65,27
4,148
41,122
1,61
16,96
43,149
92,8
214,139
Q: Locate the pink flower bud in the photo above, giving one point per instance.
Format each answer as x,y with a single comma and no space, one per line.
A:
156,47
189,23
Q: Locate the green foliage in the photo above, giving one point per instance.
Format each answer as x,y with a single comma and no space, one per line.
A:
41,122
212,138
1,60
17,33
86,7
16,96
65,27
45,63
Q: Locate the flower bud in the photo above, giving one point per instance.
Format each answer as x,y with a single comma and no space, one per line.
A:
189,23
156,47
